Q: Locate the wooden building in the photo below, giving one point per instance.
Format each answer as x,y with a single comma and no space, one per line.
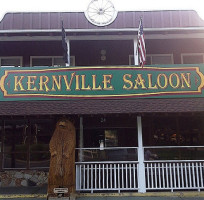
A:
121,111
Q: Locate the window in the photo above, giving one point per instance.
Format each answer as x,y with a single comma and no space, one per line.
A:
54,61
11,61
109,138
25,143
160,59
176,132
189,58
153,59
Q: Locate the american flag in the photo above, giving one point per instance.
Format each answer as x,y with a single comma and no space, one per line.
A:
141,45
65,46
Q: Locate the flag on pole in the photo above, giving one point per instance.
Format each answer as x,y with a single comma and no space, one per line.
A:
141,45
65,46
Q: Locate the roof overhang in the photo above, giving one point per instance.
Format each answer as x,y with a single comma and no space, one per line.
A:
103,34
82,107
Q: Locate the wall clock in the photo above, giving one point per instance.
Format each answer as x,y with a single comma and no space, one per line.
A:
101,12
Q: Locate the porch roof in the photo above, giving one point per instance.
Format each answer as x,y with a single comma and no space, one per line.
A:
83,107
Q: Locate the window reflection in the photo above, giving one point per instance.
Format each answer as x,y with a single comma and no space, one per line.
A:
42,131
26,143
109,138
177,138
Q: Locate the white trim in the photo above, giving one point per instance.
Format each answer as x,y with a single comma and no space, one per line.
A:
12,57
191,54
104,37
81,139
136,60
141,166
68,53
101,30
52,57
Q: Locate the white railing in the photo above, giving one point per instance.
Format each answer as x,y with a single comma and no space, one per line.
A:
118,169
174,175
112,176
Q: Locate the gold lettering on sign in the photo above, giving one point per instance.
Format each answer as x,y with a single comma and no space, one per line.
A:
107,82
77,82
150,82
31,83
139,81
68,83
129,82
83,83
101,83
177,80
185,80
165,81
43,83
18,83
94,83
56,83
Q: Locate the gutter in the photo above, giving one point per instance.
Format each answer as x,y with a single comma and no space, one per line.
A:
102,30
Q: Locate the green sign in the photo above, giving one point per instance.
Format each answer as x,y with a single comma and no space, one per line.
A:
51,83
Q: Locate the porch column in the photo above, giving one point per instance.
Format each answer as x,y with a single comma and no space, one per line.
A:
135,52
81,140
141,167
68,53
80,153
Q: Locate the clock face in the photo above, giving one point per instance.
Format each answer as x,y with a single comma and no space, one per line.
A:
101,12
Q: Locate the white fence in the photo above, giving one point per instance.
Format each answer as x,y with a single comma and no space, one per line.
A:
174,175
97,176
122,175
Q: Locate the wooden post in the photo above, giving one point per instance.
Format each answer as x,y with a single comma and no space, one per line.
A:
141,170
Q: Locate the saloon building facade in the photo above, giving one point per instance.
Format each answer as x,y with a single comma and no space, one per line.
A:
138,129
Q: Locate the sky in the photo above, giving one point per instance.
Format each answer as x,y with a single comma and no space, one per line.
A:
81,5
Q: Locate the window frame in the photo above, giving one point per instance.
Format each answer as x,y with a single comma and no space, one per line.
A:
72,58
12,57
191,54
151,55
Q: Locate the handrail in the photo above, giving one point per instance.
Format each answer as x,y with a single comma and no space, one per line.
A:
106,148
164,147
145,147
106,162
173,161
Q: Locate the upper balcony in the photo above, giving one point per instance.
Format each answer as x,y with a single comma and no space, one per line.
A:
34,39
